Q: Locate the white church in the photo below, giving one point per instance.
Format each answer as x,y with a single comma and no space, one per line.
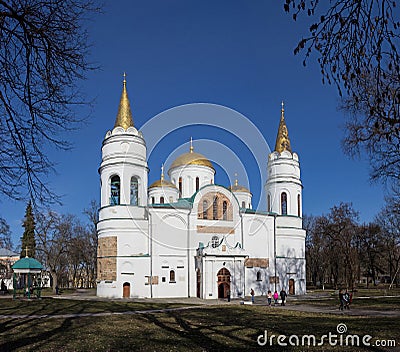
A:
186,236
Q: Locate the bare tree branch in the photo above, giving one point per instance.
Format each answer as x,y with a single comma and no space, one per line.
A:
43,53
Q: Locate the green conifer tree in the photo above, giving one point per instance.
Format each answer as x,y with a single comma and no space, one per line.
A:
28,242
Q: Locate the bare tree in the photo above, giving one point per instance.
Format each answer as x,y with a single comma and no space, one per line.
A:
68,247
317,256
91,240
5,235
54,233
43,53
357,47
342,230
371,251
389,221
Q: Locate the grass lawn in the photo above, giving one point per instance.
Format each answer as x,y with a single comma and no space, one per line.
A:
206,328
69,306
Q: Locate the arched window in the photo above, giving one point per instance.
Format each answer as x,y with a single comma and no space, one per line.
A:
284,203
224,210
197,184
134,191
215,208
259,276
298,205
115,190
180,186
214,242
162,200
205,209
269,202
172,276
243,204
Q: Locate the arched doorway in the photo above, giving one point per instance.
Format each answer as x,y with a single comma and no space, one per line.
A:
126,290
224,283
291,287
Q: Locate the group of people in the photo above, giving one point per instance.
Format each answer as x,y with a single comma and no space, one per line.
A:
345,299
271,296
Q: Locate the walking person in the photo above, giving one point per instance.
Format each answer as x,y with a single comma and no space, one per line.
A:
252,295
276,296
269,298
346,300
341,299
283,295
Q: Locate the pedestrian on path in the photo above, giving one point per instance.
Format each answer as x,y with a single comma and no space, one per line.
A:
283,295
252,295
276,296
341,299
269,298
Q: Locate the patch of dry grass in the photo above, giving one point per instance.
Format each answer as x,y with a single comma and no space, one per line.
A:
207,328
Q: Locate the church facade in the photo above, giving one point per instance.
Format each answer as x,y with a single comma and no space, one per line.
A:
187,236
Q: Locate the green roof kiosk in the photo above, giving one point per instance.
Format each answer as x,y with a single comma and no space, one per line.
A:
30,270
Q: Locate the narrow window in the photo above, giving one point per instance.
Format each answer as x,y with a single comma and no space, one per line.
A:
134,191
258,275
284,203
162,200
243,204
180,186
269,202
205,209
298,205
197,184
215,208
225,210
115,190
214,242
153,200
172,276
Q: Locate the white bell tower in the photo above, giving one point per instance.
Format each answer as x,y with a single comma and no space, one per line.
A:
122,229
124,169
284,188
284,199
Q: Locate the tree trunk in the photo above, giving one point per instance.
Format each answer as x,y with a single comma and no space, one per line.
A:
54,278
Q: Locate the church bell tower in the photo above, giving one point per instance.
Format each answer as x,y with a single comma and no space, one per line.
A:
284,188
122,228
123,169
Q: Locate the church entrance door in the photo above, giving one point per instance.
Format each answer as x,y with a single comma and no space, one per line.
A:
126,290
291,287
224,283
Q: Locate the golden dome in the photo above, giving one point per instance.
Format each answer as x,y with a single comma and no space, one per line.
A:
191,158
162,183
238,188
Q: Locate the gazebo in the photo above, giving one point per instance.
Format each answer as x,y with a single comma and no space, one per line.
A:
29,274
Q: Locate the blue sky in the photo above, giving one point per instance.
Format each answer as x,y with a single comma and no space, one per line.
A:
237,54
